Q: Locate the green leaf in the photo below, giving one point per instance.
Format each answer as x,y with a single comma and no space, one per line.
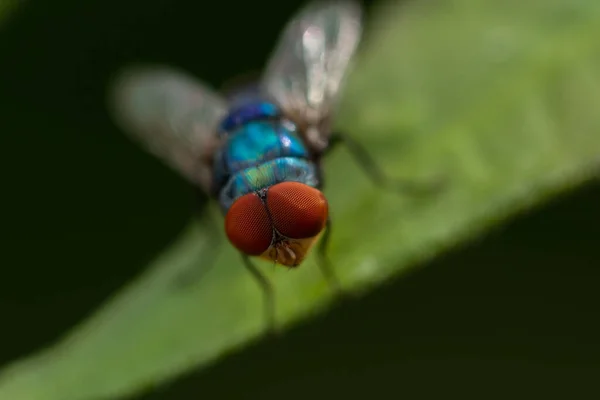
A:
499,97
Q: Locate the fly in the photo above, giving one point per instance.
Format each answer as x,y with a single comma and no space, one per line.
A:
258,153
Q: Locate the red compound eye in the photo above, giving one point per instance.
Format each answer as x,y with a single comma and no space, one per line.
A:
248,226
298,210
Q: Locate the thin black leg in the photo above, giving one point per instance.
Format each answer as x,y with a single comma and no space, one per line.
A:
376,173
323,260
265,285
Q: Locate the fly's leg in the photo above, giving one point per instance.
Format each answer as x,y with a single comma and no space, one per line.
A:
267,289
376,173
324,264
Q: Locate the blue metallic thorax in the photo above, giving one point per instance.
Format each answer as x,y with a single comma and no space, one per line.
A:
247,113
261,148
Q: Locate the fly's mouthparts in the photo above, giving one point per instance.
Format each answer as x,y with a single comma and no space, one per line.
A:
284,253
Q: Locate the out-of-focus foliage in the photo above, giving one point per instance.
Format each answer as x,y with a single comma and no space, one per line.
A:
7,7
499,97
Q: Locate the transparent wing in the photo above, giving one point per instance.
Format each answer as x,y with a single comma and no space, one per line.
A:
171,115
307,69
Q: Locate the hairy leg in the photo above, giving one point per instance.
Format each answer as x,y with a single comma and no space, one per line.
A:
267,289
324,264
374,171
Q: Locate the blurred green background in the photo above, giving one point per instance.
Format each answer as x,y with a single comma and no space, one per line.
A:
514,313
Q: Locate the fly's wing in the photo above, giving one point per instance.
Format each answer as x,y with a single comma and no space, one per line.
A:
171,115
307,69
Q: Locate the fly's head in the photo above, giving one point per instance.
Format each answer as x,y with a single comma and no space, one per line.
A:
279,223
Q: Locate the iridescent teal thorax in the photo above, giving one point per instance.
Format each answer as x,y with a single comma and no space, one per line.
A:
261,148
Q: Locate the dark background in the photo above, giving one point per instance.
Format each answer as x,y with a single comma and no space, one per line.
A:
84,210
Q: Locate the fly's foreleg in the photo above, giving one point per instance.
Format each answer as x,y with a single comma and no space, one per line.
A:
323,260
376,173
268,293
